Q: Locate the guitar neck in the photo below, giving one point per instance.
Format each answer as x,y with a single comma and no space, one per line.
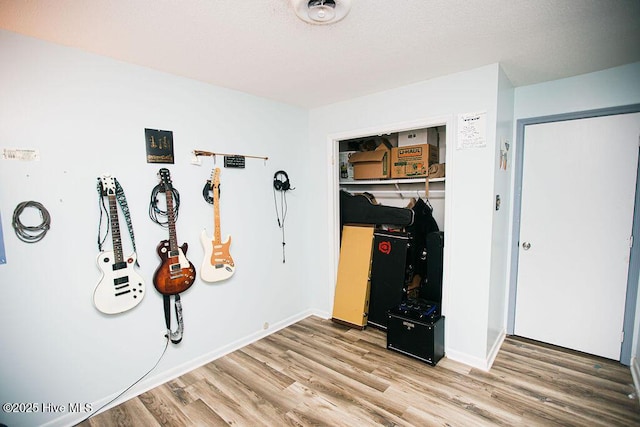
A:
217,238
115,229
173,239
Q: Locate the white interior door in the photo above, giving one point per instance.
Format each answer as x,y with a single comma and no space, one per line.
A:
578,188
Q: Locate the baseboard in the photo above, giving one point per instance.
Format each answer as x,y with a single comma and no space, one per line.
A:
464,358
635,374
483,364
71,419
493,353
320,313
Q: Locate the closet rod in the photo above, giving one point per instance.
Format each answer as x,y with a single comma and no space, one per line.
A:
209,153
409,193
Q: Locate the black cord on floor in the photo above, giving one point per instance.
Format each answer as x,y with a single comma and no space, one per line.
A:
129,388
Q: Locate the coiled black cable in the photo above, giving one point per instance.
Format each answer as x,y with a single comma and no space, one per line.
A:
35,233
155,213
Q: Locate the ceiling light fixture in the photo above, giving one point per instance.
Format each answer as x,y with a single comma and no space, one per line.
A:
321,11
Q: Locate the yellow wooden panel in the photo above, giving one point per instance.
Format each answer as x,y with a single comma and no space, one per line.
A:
351,300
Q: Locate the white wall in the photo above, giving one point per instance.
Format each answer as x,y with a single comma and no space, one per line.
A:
86,115
500,238
469,199
609,88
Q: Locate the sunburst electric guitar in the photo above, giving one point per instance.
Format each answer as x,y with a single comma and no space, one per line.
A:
176,273
217,264
121,287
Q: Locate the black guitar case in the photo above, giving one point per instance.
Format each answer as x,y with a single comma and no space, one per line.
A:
359,209
431,288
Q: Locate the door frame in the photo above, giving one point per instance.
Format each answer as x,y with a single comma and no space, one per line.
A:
634,263
333,187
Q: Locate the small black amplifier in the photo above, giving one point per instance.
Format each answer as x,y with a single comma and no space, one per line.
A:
415,328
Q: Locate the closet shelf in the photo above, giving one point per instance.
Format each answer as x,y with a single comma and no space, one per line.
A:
389,181
403,187
437,194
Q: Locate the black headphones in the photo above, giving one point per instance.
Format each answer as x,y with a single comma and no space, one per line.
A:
279,184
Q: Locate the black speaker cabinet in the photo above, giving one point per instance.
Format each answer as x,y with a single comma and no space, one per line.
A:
390,274
422,339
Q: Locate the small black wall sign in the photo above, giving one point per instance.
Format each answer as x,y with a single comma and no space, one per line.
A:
234,162
159,145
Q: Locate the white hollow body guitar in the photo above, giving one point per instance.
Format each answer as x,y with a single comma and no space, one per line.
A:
217,264
120,288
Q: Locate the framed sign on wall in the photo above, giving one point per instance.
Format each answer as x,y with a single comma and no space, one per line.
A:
159,144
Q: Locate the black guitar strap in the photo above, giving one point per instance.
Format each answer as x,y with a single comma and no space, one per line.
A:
176,336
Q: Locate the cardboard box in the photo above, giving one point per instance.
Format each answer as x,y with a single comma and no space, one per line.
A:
371,164
412,137
413,161
346,168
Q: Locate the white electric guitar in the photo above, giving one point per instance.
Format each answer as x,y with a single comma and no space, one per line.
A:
120,288
217,264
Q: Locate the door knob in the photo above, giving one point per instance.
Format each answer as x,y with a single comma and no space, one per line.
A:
526,246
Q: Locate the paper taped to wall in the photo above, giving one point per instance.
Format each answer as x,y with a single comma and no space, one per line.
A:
472,130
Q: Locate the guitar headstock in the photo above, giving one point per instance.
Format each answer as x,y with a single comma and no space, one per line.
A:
108,185
165,178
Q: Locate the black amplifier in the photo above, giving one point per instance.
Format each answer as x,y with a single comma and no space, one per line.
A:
416,328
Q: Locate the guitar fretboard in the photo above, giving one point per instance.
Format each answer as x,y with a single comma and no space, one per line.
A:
173,239
115,229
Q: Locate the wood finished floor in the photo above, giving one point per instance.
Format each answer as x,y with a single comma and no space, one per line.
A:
318,373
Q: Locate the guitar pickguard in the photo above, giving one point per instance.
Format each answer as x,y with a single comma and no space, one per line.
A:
217,263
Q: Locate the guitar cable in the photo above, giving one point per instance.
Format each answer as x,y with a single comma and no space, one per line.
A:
31,234
208,188
103,208
129,388
283,202
155,212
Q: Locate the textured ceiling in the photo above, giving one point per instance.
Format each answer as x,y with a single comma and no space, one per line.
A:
261,47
